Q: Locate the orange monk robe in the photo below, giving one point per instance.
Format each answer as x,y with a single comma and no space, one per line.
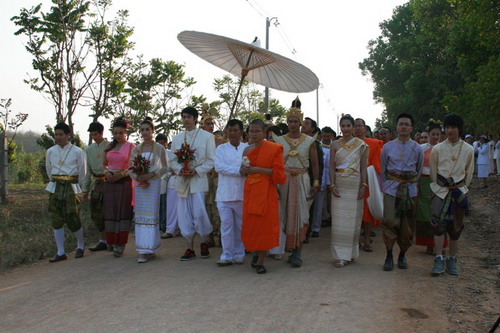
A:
373,159
260,230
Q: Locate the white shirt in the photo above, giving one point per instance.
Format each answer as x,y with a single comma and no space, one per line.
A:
227,164
173,179
204,143
66,161
497,150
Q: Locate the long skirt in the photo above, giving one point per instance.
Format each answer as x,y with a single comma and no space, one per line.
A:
482,171
117,198
146,219
347,212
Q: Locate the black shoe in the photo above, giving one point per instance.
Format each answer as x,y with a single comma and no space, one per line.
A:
402,263
79,253
315,234
373,234
389,264
253,263
58,258
204,253
99,247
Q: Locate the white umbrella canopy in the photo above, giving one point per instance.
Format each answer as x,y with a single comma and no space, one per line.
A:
253,63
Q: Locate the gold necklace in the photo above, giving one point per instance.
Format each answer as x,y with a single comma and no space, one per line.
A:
294,143
346,146
453,158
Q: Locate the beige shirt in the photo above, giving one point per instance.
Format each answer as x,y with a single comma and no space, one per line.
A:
454,160
95,164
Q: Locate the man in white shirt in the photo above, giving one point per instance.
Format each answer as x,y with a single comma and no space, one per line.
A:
66,167
229,197
193,182
451,167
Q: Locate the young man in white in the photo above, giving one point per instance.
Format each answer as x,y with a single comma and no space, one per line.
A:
229,197
66,167
452,167
193,183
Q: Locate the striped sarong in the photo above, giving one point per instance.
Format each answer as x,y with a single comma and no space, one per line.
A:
118,211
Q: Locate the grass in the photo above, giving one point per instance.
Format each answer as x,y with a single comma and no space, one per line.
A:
26,233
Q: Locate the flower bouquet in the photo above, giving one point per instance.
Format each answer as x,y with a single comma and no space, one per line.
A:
185,155
140,167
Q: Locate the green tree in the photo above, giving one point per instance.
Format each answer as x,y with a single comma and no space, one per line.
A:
250,104
58,55
435,57
110,43
11,123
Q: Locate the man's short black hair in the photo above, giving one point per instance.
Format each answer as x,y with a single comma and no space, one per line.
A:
96,127
360,119
283,128
161,137
328,129
387,128
314,124
405,115
316,130
233,122
275,129
455,120
191,111
63,127
258,122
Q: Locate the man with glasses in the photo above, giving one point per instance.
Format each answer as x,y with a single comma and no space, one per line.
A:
401,165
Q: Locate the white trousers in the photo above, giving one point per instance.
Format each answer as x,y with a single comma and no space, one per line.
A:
192,215
171,204
230,213
498,166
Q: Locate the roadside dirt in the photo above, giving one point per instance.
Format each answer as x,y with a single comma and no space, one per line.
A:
102,293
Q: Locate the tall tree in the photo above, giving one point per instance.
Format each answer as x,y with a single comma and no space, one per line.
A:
110,43
56,41
438,56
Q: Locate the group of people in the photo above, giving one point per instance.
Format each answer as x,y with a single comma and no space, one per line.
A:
265,190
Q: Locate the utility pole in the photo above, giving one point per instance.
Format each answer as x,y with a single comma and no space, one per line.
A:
266,90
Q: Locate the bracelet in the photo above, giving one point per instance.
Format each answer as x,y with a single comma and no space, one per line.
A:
316,183
124,173
331,186
365,185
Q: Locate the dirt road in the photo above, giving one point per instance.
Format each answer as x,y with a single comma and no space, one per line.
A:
102,293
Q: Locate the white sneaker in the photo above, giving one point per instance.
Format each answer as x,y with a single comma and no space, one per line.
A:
239,261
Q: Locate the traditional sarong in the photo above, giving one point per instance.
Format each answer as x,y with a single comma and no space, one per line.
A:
210,204
424,232
146,219
96,203
64,204
293,199
347,212
448,213
398,227
117,198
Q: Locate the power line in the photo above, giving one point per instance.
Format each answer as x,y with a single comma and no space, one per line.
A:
254,8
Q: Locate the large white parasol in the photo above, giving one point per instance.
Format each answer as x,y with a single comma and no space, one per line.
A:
253,63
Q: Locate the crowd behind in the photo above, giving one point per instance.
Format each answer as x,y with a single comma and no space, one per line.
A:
268,188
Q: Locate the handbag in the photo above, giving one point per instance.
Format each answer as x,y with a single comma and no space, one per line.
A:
375,200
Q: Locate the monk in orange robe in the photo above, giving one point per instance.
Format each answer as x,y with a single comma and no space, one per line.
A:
375,151
260,229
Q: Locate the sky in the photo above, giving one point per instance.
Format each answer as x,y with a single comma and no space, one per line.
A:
328,37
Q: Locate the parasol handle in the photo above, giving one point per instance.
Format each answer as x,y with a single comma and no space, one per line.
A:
244,73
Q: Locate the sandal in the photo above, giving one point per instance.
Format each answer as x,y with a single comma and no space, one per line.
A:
253,263
340,263
260,269
368,247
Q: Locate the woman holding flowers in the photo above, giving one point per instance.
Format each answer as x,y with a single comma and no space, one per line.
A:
117,190
148,163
